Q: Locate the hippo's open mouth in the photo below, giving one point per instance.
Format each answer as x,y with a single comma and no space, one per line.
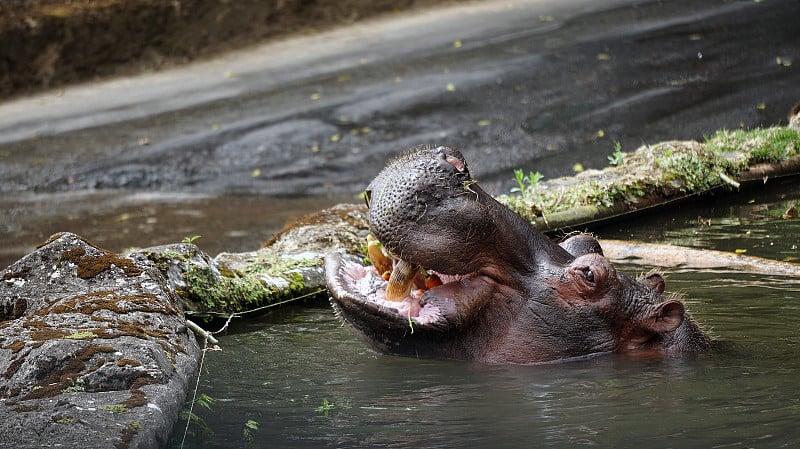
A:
360,293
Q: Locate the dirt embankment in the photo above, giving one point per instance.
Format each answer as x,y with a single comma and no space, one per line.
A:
48,43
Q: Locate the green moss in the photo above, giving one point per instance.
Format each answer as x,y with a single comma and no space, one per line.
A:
64,419
761,144
248,288
83,335
116,408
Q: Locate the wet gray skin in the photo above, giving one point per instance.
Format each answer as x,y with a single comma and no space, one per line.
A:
509,294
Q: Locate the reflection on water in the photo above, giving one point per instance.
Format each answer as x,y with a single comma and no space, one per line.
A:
279,369
121,220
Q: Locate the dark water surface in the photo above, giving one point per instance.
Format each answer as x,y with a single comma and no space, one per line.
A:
120,221
280,368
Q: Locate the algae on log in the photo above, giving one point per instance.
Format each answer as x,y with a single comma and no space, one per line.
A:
655,175
287,267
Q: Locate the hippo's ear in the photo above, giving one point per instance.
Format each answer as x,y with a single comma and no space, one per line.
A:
665,317
656,282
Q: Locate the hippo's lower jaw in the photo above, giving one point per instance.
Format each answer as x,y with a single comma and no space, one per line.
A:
358,293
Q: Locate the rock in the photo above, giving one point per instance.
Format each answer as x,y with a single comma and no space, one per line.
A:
94,350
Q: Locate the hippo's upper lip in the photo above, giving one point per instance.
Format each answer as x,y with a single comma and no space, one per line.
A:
359,292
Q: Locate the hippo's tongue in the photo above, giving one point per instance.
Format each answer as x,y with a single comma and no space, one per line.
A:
400,281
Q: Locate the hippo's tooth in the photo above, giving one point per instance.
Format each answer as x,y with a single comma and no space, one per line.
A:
380,261
400,281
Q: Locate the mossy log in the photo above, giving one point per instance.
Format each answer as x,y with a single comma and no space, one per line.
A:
287,267
656,175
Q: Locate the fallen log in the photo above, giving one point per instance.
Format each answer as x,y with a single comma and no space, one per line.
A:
658,175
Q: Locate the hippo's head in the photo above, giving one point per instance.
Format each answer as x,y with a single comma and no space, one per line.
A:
508,294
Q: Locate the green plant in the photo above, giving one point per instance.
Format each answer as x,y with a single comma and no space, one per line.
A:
325,407
525,183
205,401
249,427
617,159
190,239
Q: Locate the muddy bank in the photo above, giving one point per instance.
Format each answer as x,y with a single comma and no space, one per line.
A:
49,43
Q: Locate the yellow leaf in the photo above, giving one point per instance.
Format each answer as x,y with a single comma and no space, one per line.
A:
451,87
315,96
335,137
578,167
256,173
761,106
457,44
603,57
484,122
740,251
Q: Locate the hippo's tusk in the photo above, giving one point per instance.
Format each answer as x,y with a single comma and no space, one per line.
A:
379,259
401,279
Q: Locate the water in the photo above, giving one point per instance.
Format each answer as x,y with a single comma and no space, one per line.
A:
279,369
120,221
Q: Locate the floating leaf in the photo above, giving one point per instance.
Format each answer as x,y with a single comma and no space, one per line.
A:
761,106
335,137
315,96
740,251
451,87
256,173
578,167
457,44
484,122
603,57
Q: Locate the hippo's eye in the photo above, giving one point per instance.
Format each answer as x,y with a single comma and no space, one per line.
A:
589,275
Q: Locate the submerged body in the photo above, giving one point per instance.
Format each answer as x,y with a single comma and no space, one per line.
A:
508,294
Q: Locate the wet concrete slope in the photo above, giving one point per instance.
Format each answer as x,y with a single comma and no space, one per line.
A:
530,84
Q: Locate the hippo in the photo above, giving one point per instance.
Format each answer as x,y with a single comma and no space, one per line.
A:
504,292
